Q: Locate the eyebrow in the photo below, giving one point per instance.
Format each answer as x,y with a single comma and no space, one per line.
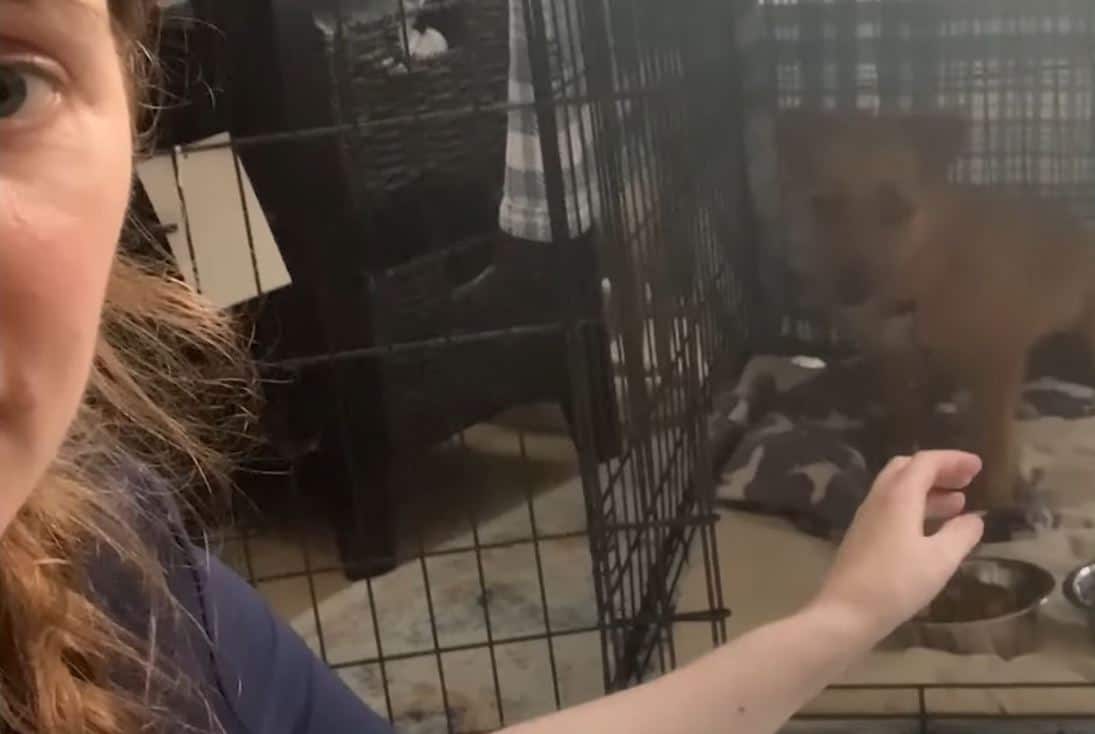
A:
63,6
66,30
57,18
27,3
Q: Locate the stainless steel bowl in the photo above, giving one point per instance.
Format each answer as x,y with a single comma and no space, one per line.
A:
990,607
1079,589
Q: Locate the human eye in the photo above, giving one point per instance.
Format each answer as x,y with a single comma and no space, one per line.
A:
29,91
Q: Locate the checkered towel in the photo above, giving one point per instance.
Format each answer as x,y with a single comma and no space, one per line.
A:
524,210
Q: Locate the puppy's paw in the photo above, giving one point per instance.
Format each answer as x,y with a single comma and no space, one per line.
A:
1005,524
1028,514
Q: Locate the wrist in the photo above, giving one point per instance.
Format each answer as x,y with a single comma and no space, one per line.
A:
854,630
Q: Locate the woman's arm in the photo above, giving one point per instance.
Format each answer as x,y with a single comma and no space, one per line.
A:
887,570
754,684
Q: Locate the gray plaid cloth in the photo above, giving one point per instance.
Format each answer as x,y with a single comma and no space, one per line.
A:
524,210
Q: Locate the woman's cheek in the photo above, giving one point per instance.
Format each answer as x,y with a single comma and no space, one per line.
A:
65,178
50,300
61,210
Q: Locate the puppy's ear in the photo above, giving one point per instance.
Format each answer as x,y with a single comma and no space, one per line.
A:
938,138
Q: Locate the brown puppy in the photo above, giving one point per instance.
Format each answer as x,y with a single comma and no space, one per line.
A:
937,282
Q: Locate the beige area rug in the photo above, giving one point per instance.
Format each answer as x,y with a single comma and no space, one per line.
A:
354,623
404,629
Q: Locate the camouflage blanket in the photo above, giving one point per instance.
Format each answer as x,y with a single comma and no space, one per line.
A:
809,440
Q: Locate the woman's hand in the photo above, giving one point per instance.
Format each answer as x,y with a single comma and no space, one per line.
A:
887,568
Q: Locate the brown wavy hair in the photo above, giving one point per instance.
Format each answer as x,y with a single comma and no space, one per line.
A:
167,368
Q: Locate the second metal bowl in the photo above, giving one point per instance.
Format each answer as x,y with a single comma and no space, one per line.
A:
1079,589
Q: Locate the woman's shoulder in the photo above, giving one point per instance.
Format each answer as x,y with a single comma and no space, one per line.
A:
160,604
253,670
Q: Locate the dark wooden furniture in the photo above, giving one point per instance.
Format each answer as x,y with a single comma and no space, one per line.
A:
349,413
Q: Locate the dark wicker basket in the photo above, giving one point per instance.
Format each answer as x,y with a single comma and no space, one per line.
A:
418,117
424,167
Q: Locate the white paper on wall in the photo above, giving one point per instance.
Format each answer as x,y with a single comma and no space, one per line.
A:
211,243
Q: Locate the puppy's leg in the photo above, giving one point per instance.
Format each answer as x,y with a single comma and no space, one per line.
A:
995,391
903,375
903,380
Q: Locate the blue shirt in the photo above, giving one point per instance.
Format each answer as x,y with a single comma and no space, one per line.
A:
254,673
269,681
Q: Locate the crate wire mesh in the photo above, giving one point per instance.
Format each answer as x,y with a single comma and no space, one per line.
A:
519,553
655,114
1022,74
533,569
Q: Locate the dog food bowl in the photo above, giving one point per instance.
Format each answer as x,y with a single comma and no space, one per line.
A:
990,607
1080,590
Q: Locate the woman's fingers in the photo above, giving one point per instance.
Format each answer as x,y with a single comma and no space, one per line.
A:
890,472
933,470
942,470
944,505
956,539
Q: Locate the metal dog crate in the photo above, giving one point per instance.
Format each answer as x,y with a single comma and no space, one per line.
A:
355,146
1020,72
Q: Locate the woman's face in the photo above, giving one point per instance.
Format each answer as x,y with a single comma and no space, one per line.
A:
65,168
